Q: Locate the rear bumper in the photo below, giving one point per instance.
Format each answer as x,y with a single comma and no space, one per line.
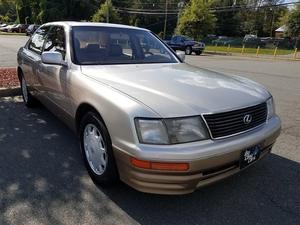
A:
212,162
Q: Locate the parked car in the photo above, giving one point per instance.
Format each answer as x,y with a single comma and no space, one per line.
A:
251,40
31,29
144,116
20,28
8,28
220,40
3,25
188,45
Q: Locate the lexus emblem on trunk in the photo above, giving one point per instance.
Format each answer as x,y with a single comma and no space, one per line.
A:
247,119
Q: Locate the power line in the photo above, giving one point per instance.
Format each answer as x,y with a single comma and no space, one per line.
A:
143,3
145,12
160,22
214,9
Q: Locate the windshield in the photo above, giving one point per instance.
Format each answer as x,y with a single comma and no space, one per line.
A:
107,45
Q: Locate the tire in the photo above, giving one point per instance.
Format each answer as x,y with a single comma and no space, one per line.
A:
27,97
94,136
188,50
198,52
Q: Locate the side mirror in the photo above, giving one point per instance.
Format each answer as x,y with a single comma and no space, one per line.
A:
181,55
54,58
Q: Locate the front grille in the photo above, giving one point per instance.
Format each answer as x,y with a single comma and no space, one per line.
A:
230,123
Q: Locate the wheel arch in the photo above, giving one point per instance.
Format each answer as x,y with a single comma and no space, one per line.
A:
19,73
82,109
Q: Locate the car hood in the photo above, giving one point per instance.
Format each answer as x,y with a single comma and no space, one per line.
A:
174,90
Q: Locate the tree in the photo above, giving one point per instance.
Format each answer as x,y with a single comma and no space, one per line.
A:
293,23
262,18
228,22
106,13
7,11
196,19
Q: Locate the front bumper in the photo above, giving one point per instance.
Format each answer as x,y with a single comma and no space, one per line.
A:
198,48
209,161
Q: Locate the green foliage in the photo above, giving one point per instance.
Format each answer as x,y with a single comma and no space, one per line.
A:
106,12
293,23
197,20
7,11
263,21
228,23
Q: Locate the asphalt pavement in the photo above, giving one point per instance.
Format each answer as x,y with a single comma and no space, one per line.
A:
9,46
43,179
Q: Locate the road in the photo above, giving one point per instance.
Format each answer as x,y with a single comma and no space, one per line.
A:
9,46
43,179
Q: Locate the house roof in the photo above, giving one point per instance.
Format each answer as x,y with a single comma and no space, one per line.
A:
281,29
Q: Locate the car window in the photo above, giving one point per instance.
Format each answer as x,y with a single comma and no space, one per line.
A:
56,41
152,48
37,40
178,39
107,45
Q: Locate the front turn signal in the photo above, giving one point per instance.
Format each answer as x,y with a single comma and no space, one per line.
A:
159,165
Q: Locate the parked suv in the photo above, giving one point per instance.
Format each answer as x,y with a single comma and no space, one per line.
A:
141,114
188,45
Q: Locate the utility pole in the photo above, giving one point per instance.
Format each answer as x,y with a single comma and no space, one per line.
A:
166,18
272,22
180,6
107,13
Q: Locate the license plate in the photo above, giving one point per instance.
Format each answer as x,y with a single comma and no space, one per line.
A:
249,156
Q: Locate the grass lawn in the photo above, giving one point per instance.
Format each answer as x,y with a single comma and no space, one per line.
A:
248,50
18,34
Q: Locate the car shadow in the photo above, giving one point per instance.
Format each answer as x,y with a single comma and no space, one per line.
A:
43,180
266,193
42,175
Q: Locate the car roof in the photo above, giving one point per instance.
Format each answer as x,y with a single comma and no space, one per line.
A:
93,24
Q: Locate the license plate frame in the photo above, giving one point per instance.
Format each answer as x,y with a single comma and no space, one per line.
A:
249,156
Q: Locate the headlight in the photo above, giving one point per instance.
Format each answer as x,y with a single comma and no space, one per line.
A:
271,108
151,131
171,131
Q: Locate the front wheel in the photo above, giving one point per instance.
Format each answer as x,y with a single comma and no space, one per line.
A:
188,50
96,148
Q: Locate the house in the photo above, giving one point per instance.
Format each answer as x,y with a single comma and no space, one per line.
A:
280,31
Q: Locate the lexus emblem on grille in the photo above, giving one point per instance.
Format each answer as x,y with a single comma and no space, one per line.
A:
247,119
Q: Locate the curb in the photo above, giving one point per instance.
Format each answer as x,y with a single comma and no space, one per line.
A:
217,53
7,92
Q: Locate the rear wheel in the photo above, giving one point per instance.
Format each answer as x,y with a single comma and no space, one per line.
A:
188,50
96,148
27,97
